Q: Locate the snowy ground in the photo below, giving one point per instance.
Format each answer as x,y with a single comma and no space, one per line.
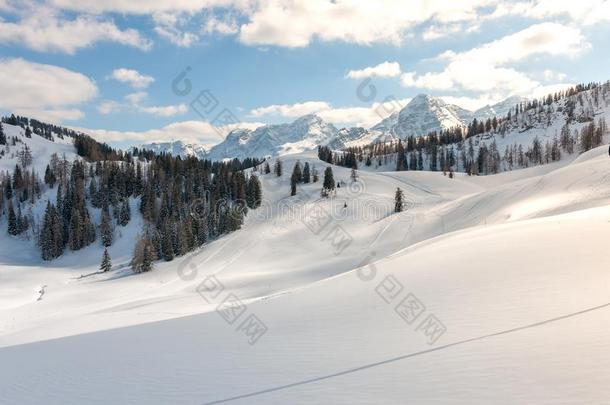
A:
512,270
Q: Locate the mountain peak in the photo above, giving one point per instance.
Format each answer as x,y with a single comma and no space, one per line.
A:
304,133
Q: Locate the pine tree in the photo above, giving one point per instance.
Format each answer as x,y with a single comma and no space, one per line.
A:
278,168
51,238
267,168
75,231
306,173
2,135
8,190
106,231
125,214
148,257
106,264
295,178
253,192
398,200
49,177
143,255
22,222
167,245
328,184
12,220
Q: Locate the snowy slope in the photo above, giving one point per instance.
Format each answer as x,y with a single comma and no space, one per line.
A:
500,260
41,149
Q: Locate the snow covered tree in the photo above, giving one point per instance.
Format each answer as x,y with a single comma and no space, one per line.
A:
398,200
267,169
106,264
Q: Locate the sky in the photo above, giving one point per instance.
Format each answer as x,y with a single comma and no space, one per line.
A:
131,72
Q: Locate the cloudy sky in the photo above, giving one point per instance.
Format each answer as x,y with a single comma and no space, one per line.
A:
135,71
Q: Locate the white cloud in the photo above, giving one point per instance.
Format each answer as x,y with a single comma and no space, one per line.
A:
290,110
585,12
200,132
434,32
171,27
223,26
109,107
144,7
165,111
295,24
385,69
133,103
484,69
291,23
136,98
134,78
552,76
43,29
44,91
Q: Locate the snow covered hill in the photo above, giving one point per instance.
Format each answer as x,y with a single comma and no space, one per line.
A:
489,289
40,148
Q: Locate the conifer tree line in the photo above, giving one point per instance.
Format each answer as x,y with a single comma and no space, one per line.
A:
474,149
162,187
347,158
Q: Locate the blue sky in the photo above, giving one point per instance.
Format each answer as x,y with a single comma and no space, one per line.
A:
108,67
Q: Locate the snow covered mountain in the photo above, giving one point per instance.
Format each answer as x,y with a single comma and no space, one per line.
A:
424,114
305,133
499,109
177,148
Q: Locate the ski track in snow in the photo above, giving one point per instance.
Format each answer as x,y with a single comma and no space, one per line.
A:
406,356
